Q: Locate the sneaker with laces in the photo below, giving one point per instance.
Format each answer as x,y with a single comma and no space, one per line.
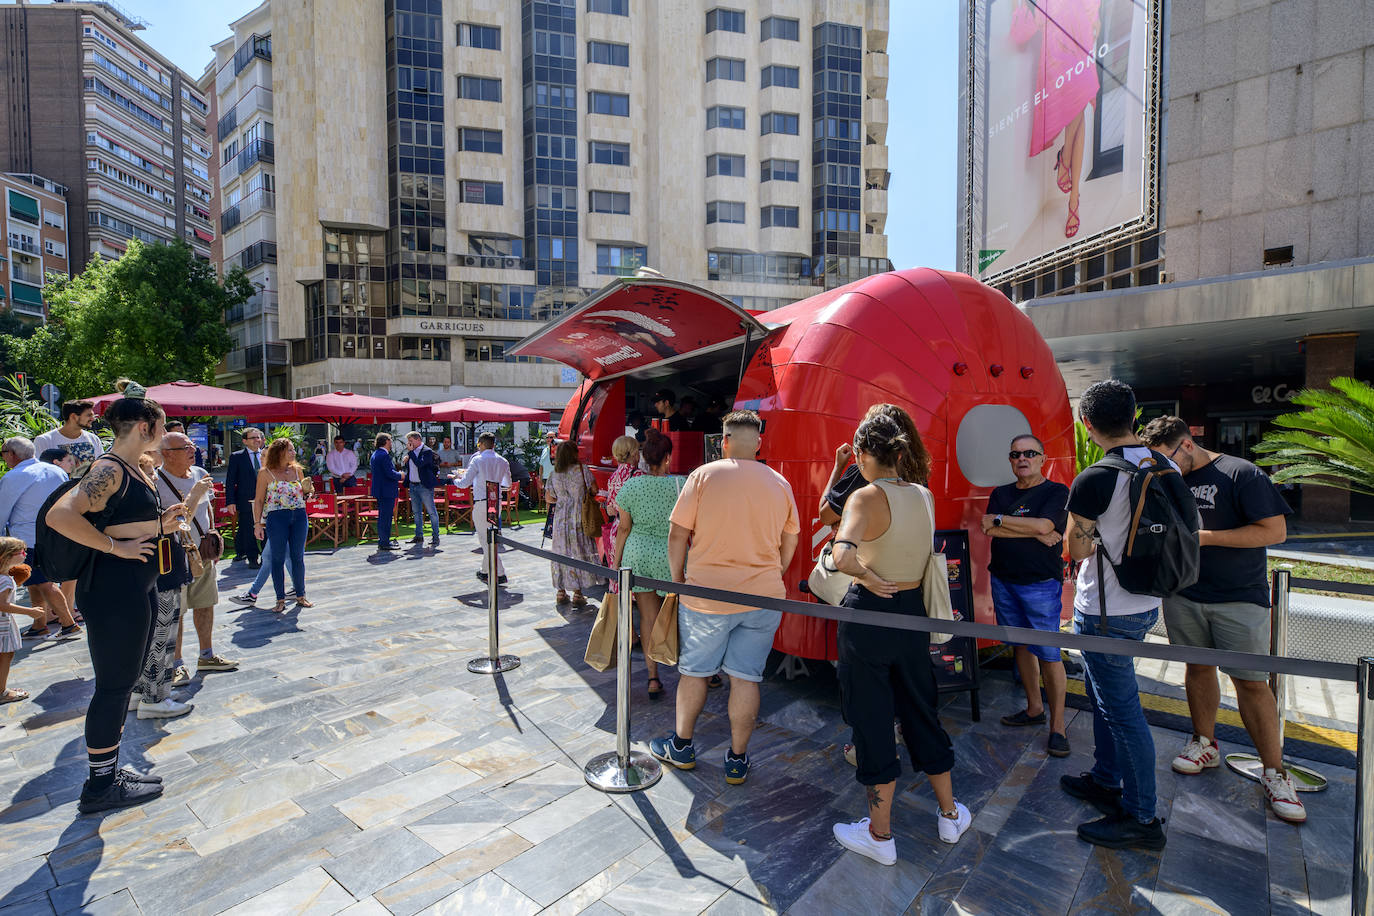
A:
129,774
247,599
684,758
120,794
736,768
1283,798
951,828
167,709
215,663
1197,755
856,837
1104,798
181,677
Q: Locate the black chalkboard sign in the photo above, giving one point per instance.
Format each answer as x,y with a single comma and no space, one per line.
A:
956,662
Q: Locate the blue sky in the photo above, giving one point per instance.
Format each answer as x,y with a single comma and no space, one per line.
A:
922,91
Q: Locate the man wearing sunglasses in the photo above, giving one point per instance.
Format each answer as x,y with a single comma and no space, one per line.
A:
1026,521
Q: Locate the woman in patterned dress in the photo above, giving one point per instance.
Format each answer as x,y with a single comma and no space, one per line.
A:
567,488
625,450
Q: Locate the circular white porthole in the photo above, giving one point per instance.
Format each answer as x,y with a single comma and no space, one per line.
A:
985,435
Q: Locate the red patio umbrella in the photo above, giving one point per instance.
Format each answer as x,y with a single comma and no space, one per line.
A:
192,399
340,407
480,410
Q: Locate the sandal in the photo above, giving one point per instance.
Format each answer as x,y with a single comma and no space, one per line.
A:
280,606
1071,225
579,601
562,597
302,601
1061,172
13,696
655,694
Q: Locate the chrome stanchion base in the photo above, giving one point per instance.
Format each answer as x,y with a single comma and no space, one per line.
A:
604,772
494,665
1303,778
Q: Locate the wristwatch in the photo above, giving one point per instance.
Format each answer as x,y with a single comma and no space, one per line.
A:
997,521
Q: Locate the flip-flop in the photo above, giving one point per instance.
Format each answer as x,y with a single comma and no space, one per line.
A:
13,696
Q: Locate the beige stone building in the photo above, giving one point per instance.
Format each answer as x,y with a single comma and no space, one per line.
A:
453,173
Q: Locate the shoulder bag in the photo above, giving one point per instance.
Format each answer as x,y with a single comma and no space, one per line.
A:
935,582
826,582
211,543
591,509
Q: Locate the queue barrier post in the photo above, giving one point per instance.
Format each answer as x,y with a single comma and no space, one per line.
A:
1362,876
1250,766
622,770
494,662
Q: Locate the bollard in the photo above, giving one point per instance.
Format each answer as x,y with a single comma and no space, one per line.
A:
622,770
1362,887
494,662
1304,778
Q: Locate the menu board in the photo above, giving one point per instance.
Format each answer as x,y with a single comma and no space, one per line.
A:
956,662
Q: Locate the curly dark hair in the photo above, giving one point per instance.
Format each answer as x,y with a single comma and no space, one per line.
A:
913,461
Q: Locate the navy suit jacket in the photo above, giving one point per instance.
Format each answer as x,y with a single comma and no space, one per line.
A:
427,466
240,480
385,478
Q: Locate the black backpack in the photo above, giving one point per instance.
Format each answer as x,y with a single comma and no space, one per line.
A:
1160,556
61,558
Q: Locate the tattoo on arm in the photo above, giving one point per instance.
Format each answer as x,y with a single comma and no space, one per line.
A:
874,801
99,485
1084,531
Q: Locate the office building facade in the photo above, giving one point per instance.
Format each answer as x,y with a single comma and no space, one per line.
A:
33,222
90,106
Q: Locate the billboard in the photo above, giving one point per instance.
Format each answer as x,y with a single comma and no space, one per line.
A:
1062,113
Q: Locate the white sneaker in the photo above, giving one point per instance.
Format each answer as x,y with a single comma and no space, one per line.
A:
1197,755
167,709
851,756
856,838
134,699
181,677
951,828
1283,798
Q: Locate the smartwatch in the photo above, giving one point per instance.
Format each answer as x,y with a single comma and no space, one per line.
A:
997,521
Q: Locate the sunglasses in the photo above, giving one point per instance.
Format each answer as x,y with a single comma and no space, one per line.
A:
1028,453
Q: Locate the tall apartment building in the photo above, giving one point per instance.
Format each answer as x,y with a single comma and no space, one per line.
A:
454,174
89,105
33,222
239,80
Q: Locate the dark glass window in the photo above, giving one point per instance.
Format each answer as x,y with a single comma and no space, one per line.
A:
479,140
778,216
479,88
608,153
725,211
778,75
725,68
778,122
611,103
725,21
619,260
725,164
481,192
609,202
779,170
605,52
780,27
614,7
479,36
725,116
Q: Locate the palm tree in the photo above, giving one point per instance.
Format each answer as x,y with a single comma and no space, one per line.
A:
1331,443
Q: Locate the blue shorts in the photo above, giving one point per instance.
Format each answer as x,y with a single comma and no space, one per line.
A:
1035,606
737,644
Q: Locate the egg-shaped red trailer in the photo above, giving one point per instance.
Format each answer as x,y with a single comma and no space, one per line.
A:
966,363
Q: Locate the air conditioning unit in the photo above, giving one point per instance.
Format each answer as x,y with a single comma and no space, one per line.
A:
471,260
511,263
491,262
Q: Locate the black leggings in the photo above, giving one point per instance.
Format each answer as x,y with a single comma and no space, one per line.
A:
885,673
119,602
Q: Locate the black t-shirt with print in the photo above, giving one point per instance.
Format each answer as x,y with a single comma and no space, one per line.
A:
1024,560
1232,493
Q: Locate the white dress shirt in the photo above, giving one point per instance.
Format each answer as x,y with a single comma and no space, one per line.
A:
341,462
485,466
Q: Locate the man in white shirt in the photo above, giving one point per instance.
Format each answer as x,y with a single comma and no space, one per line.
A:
485,466
74,434
343,465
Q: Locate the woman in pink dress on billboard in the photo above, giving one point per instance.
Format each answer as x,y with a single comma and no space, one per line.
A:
1066,83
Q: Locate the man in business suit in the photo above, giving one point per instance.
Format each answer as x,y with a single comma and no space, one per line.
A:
422,470
240,486
385,488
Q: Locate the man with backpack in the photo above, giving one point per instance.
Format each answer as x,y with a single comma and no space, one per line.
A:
1113,599
1228,607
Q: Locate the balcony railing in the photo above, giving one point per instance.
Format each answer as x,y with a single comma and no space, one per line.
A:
19,244
228,123
258,253
259,200
257,151
250,309
26,274
229,218
247,359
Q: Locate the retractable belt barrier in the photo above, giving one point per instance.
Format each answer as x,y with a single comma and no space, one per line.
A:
1104,645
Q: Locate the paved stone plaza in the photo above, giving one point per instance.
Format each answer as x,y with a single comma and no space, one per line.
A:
354,765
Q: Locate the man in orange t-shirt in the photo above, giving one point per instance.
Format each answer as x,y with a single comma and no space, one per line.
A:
734,527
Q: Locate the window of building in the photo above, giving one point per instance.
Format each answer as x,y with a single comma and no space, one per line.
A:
614,7
605,52
481,192
832,33
725,164
609,202
778,122
56,249
54,219
837,128
725,20
471,35
479,88
608,103
725,211
231,149
619,260
778,216
23,207
608,153
780,27
725,68
779,170
479,140
477,350
725,116
496,246
778,75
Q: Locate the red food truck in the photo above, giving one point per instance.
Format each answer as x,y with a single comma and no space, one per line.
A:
966,363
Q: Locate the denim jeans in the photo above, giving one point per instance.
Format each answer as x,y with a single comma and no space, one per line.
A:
286,534
423,498
266,570
1125,750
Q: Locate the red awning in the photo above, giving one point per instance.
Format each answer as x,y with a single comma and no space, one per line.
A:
191,399
346,407
480,410
636,322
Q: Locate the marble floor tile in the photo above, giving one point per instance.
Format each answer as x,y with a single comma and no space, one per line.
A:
559,815
375,805
311,893
567,859
488,894
372,863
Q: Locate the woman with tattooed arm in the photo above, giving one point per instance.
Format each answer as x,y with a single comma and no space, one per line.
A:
114,511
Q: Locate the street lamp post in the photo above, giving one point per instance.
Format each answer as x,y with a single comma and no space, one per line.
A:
262,306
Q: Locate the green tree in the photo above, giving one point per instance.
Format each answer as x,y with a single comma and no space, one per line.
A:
155,315
1330,444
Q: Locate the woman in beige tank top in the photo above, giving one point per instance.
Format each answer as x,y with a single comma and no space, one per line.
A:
884,541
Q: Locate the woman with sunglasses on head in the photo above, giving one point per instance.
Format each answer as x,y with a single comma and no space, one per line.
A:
114,511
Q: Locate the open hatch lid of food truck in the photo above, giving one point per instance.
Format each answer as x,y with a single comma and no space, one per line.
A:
634,322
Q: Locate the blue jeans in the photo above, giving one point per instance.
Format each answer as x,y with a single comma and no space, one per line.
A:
286,536
423,498
1033,605
1125,751
266,570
